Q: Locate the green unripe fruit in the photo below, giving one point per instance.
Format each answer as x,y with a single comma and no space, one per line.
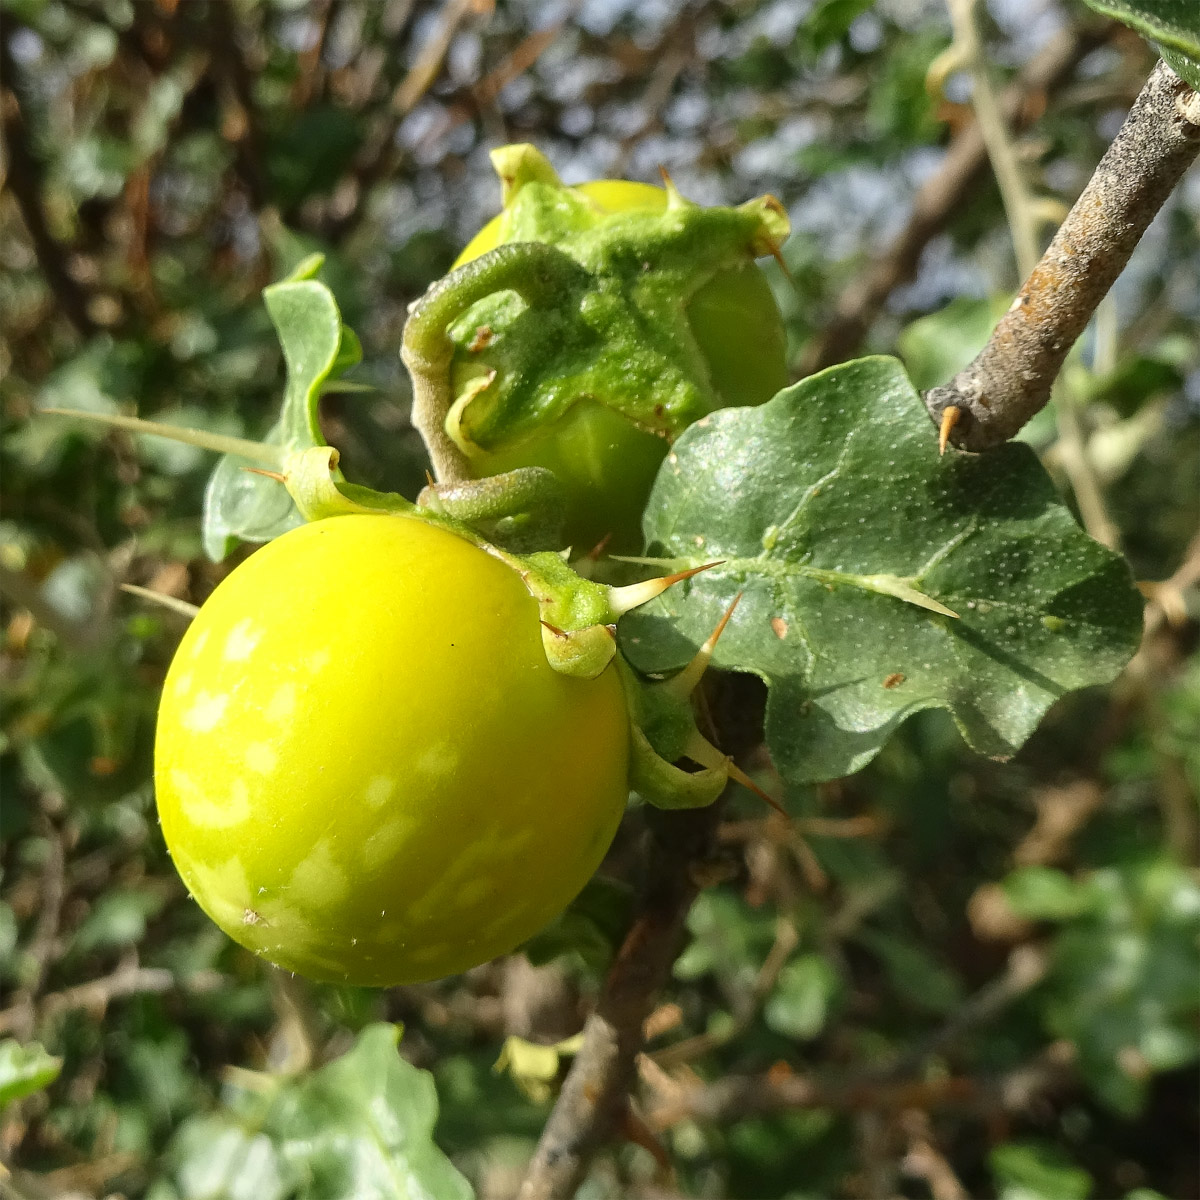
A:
675,322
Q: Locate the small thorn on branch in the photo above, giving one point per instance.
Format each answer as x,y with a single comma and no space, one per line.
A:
951,415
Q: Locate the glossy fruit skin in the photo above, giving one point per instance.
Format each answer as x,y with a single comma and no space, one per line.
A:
604,461
367,771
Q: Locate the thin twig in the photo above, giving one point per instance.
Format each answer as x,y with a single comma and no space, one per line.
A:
594,1095
993,127
942,196
786,939
735,1097
1012,377
42,947
127,980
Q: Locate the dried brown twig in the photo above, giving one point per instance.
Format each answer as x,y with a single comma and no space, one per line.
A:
1011,378
128,979
594,1096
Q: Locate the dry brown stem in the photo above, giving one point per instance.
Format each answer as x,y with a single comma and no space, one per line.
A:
594,1097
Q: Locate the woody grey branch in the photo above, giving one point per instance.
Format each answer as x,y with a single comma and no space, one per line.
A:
1011,378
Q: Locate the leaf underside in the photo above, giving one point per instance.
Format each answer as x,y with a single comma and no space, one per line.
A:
839,522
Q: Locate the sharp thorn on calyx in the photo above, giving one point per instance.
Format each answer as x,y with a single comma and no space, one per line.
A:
623,599
701,750
269,474
951,415
674,199
684,684
554,629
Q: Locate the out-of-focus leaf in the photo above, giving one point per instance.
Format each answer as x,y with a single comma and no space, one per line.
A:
829,510
915,974
936,347
361,1126
25,1069
1026,1171
804,997
117,919
729,940
222,1161
1046,894
1123,979
591,926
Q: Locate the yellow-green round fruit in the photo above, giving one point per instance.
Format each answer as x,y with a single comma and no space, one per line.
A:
366,769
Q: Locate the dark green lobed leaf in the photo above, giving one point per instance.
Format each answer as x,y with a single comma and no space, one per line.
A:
809,500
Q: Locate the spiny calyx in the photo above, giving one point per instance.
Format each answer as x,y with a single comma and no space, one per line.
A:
663,731
620,336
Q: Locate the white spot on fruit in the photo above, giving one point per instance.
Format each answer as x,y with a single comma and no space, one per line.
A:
283,704
319,661
242,639
380,790
199,644
183,684
381,846
200,808
472,892
261,757
205,713
439,760
320,875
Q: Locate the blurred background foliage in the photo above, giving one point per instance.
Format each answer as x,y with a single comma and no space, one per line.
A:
948,978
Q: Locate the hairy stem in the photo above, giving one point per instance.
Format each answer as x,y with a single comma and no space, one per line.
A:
537,273
1012,377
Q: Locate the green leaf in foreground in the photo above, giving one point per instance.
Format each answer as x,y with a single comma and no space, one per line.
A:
1173,24
851,540
25,1069
317,347
361,1126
